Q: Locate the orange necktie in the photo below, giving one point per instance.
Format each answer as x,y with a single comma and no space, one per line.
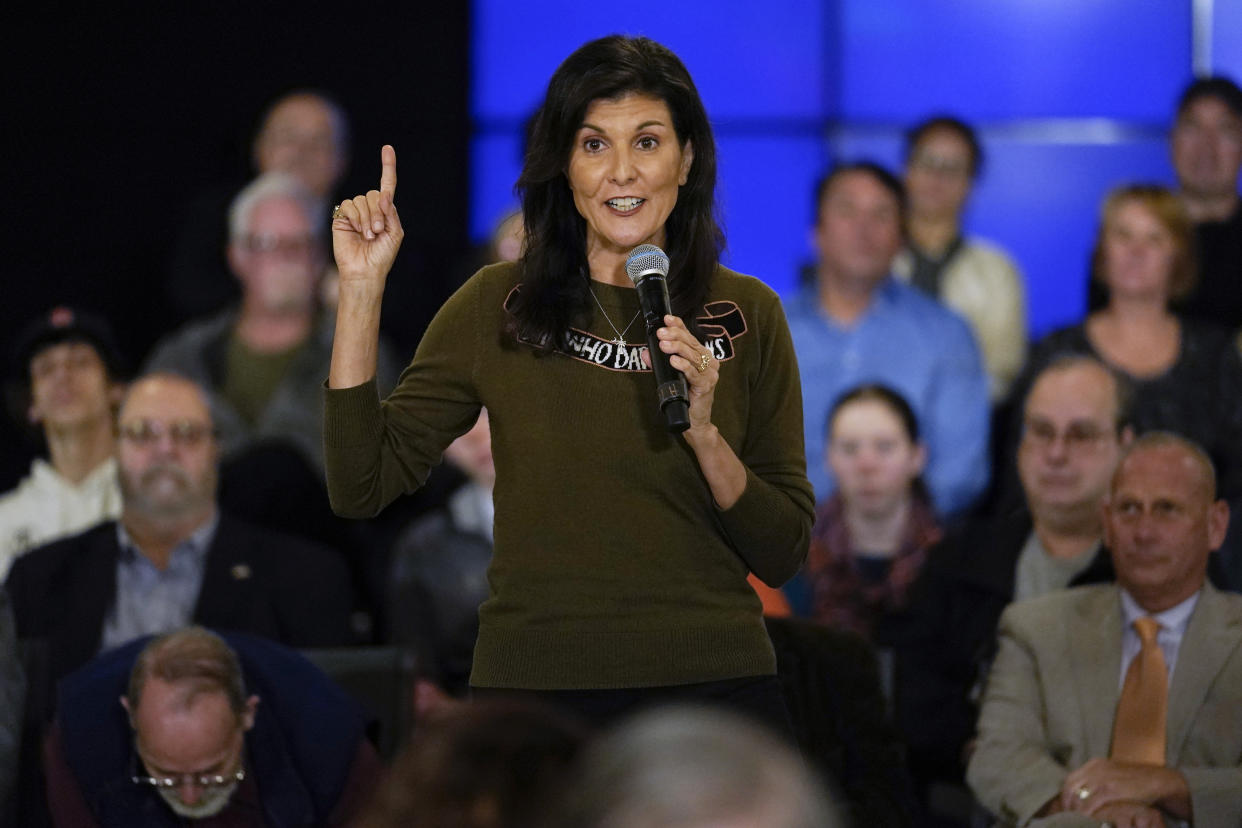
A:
1139,730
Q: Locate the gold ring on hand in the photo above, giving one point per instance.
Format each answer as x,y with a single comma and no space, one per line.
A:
336,211
705,359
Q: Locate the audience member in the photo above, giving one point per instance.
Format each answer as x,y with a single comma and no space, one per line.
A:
303,134
1120,702
973,277
691,768
1207,154
73,369
263,362
172,557
871,536
1187,375
856,324
12,698
306,135
438,574
509,238
1074,429
493,764
1206,148
209,731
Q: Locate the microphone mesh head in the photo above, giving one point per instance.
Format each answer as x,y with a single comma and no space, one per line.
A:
645,260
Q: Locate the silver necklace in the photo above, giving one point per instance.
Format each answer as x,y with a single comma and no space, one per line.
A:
620,340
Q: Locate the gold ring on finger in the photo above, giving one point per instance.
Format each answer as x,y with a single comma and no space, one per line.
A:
336,211
705,359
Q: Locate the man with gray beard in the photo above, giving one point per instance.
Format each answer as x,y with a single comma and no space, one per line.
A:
172,558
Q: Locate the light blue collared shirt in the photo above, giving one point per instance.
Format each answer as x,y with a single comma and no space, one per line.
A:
923,350
150,601
1173,622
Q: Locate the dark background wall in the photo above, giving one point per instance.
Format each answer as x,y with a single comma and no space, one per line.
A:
116,115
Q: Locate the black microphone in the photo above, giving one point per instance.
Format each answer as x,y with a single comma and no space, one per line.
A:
647,266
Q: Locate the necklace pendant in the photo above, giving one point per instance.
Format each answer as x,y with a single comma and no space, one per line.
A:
619,342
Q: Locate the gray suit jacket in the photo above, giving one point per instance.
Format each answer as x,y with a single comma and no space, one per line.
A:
1052,695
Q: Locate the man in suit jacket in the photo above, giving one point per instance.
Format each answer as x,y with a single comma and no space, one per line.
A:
1047,718
1075,426
171,559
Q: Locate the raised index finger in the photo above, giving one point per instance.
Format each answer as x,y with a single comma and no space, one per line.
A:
388,170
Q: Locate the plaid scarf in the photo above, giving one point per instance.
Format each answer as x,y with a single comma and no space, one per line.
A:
840,597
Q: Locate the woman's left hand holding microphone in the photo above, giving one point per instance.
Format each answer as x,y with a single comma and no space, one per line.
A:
697,365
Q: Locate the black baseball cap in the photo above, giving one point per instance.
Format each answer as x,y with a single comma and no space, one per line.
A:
65,324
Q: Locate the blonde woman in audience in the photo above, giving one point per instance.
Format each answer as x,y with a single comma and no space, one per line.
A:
1187,374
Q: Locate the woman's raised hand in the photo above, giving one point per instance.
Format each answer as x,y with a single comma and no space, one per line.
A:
366,230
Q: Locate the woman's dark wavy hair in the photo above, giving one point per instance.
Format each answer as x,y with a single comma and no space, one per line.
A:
554,265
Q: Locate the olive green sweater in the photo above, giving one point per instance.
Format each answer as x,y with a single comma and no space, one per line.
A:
612,565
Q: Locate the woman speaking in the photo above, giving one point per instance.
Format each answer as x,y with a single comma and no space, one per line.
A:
621,549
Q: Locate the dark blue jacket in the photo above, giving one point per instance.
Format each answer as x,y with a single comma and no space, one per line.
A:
299,753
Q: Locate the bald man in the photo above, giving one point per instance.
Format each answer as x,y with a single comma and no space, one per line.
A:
1046,726
211,730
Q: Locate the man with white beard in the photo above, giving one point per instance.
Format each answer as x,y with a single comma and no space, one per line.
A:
262,362
210,731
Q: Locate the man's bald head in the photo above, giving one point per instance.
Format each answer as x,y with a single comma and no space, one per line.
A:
1162,520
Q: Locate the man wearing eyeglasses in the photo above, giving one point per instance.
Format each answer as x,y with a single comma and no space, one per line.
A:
1118,704
303,134
262,363
233,731
172,557
1074,429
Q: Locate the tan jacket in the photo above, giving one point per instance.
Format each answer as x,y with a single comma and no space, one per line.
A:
1052,695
